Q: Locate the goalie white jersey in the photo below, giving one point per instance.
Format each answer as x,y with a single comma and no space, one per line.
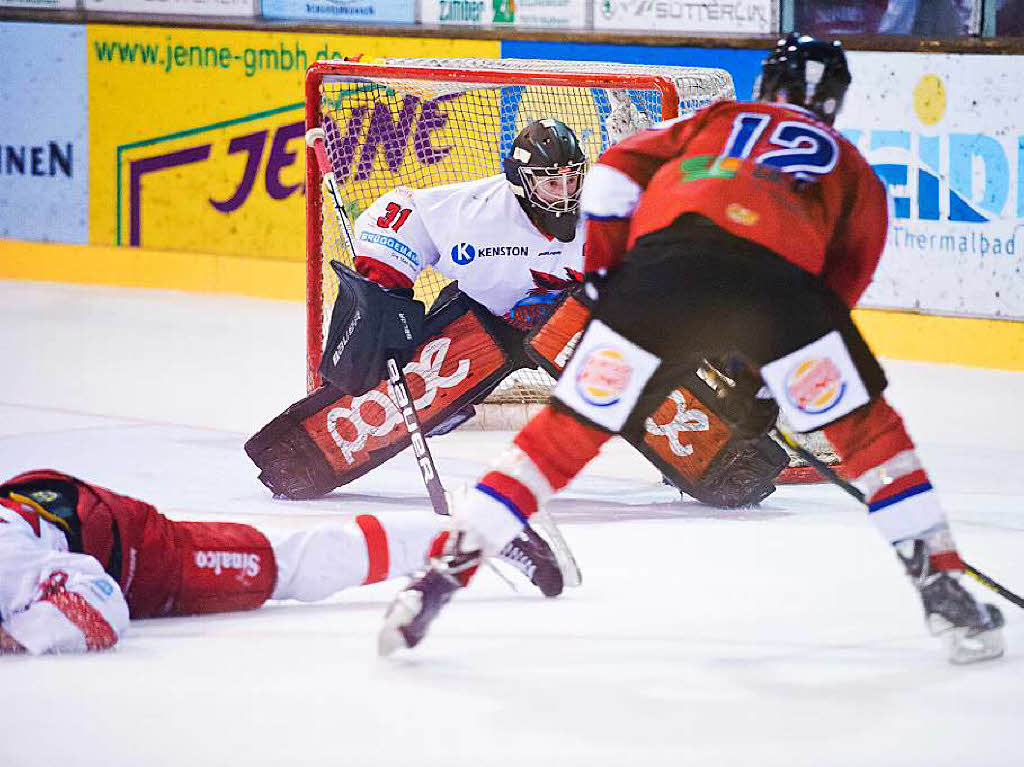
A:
475,232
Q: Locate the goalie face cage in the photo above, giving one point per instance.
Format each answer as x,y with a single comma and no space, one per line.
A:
423,123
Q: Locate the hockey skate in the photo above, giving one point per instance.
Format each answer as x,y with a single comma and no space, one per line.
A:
532,556
971,629
418,604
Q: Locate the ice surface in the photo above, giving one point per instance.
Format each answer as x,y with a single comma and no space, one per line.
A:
782,636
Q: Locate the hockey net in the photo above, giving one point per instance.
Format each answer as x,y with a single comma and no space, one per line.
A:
425,122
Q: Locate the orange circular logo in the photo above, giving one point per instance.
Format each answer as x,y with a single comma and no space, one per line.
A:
742,215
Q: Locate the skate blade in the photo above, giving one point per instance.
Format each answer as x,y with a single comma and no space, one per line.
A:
964,648
401,613
571,575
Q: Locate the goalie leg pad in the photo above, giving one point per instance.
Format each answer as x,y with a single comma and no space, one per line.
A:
331,438
551,344
704,453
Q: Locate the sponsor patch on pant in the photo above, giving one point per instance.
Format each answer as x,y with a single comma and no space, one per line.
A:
605,376
817,384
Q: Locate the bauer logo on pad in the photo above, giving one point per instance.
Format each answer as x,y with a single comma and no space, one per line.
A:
603,376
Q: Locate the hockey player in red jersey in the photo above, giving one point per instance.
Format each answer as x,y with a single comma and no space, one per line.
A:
77,560
733,243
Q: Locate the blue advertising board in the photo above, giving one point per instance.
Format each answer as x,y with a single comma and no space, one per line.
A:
44,157
348,11
743,64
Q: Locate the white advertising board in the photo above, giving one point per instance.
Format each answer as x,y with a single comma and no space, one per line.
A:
44,140
190,7
348,11
40,4
547,14
731,16
946,134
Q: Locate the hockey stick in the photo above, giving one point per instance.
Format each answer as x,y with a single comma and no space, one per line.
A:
832,476
428,470
316,140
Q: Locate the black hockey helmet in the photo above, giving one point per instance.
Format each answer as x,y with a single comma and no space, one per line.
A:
807,72
545,168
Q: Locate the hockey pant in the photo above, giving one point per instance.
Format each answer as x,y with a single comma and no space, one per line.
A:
330,438
737,296
684,296
166,567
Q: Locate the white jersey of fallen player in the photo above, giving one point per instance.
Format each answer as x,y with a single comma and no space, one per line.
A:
474,232
50,597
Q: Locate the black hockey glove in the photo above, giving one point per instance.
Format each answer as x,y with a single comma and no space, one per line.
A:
595,284
369,325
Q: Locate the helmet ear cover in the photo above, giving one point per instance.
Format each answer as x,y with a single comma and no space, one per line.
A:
806,72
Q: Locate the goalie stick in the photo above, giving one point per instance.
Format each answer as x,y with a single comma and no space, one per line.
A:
832,476
316,140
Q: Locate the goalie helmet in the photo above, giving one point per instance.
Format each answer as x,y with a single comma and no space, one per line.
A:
545,169
807,72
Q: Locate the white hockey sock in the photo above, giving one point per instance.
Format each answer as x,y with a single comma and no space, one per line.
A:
900,499
313,564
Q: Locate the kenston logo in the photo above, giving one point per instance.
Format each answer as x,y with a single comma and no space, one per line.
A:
463,253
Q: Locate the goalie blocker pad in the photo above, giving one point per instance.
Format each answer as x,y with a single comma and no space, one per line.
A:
330,438
715,450
368,325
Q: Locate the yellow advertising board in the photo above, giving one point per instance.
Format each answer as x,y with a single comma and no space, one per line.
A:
196,135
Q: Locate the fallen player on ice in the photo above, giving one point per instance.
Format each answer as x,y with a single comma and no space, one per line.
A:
77,561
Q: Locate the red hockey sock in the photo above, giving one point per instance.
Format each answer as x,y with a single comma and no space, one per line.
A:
879,457
868,437
549,451
560,445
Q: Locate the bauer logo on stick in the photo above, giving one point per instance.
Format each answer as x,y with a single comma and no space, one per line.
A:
815,385
603,376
